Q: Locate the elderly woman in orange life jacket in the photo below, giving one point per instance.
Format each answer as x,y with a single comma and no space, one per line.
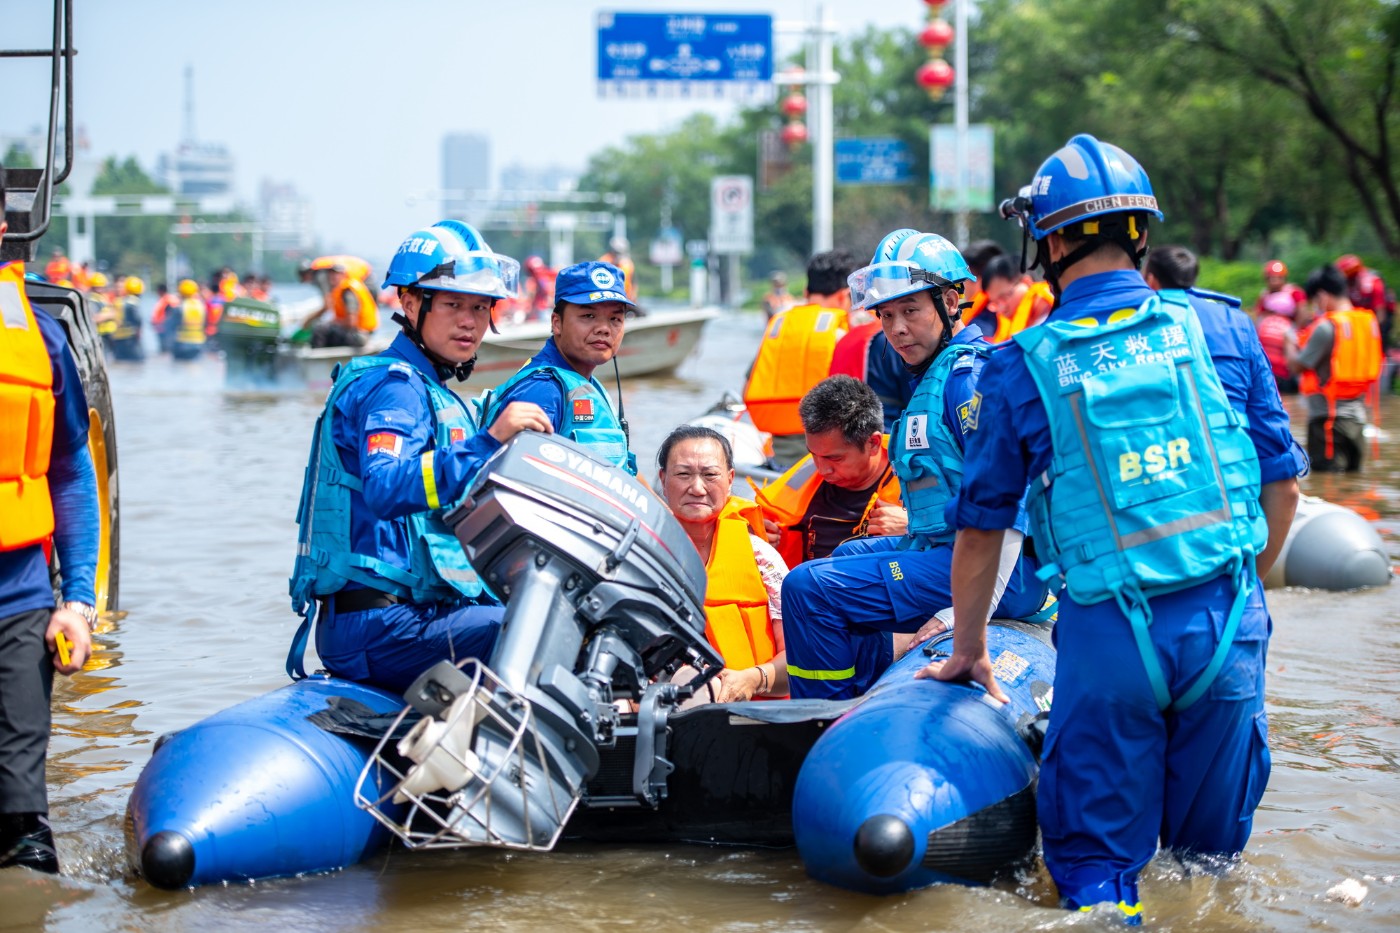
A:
743,608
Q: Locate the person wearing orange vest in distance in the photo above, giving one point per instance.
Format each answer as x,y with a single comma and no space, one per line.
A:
1338,367
1367,290
59,269
1275,281
743,603
1017,300
975,307
162,320
191,316
777,298
796,352
619,254
1276,313
48,491
845,487
354,313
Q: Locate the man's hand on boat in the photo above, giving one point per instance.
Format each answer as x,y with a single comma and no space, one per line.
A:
963,666
517,417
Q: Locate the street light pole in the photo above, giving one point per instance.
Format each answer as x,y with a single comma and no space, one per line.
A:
960,117
819,62
819,78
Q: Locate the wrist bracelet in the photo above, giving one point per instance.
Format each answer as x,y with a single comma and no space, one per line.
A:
762,678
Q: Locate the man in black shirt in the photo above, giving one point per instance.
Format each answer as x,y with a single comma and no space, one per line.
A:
845,488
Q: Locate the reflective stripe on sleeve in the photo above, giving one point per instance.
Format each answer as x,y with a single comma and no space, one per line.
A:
821,675
429,479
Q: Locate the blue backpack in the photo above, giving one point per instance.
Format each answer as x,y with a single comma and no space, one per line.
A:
1154,482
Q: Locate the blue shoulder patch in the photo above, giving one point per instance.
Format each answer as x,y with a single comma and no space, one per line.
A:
401,369
964,362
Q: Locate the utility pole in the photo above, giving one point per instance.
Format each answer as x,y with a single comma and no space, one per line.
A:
819,78
963,233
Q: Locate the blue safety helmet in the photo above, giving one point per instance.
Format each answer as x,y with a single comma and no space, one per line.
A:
451,256
1085,179
905,262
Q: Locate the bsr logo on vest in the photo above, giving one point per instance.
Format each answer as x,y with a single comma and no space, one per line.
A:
1153,459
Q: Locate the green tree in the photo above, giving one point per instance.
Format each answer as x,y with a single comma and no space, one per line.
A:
1338,60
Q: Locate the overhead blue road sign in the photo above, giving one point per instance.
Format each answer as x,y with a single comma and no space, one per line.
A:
873,160
685,54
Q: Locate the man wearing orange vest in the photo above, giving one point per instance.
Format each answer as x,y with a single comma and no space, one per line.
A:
355,312
845,487
795,354
1338,368
48,492
1017,300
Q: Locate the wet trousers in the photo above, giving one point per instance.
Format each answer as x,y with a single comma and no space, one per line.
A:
1118,775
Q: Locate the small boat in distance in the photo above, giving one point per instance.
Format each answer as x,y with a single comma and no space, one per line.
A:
258,357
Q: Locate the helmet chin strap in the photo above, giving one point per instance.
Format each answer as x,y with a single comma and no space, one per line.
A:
445,368
1119,234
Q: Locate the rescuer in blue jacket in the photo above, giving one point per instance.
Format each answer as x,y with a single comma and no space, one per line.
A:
590,313
393,450
841,609
1163,483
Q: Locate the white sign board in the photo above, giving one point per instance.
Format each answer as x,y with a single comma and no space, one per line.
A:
731,214
946,193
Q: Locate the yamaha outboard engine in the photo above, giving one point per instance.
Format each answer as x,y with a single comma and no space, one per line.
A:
604,603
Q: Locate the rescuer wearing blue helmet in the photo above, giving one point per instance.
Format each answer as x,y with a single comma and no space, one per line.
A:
842,609
395,448
590,313
1163,483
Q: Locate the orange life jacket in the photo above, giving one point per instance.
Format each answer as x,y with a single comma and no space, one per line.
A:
979,304
27,412
1355,363
736,602
747,511
1307,379
1037,299
368,316
795,355
785,501
58,270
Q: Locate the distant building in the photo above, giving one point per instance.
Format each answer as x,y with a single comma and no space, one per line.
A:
287,217
519,177
197,168
466,166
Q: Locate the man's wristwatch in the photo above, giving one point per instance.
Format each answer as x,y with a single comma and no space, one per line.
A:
89,613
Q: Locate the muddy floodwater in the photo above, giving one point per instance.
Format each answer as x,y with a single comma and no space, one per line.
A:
209,484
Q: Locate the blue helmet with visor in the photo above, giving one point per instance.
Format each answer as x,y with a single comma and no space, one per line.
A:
451,256
905,262
908,261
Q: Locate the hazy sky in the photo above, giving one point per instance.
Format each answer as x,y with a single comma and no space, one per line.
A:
349,99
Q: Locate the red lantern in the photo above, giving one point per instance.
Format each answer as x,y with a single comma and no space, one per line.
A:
795,133
937,36
794,105
936,5
935,77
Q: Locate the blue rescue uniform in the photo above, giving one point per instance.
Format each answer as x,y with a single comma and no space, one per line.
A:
837,610
384,426
1117,772
577,407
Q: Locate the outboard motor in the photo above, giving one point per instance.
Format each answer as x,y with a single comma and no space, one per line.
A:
604,603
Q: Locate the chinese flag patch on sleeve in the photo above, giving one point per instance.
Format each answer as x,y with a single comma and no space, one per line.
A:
583,409
456,434
385,443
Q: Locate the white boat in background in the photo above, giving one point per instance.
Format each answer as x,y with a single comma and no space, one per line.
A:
654,343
